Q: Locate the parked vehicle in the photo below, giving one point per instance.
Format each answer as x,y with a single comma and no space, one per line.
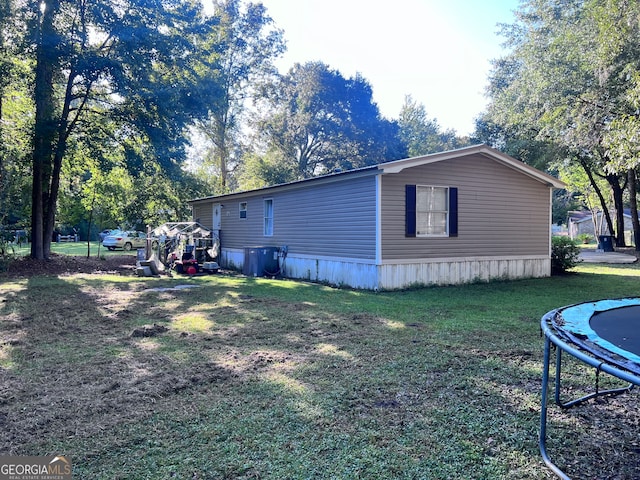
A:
125,240
105,233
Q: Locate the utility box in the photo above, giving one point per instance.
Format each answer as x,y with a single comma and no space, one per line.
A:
260,261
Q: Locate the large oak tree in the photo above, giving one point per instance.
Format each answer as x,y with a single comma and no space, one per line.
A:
132,60
320,121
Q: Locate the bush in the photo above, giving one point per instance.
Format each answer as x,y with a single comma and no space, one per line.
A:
564,254
585,238
7,254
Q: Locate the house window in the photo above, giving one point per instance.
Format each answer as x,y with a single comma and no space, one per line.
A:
243,209
268,217
431,211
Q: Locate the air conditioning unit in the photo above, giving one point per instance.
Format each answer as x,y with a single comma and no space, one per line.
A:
260,261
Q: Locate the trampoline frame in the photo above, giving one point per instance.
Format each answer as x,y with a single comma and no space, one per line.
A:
572,347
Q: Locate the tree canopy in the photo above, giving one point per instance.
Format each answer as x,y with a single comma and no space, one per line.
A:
320,121
131,62
98,102
568,82
423,135
243,48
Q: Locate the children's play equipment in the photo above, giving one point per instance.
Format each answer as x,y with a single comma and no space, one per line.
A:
604,335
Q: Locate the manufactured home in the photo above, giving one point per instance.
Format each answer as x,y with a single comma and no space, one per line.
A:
466,215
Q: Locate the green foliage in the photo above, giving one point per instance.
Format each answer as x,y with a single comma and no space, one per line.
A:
323,121
622,137
520,144
569,80
423,135
242,49
123,75
7,250
261,171
585,238
564,254
15,123
578,182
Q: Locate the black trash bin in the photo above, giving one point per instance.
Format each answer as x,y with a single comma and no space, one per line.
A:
605,243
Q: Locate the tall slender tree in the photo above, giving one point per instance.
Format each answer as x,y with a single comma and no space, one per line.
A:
243,48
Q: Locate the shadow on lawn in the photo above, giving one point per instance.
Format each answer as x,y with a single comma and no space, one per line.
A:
73,365
240,378
598,439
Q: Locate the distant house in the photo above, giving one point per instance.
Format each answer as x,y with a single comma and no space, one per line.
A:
448,218
581,222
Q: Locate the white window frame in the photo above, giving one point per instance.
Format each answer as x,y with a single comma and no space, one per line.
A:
268,220
242,210
421,210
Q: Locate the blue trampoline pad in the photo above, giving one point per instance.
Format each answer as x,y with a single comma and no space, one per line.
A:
609,329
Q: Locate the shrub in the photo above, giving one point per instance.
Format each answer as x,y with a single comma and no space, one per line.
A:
585,238
564,254
7,254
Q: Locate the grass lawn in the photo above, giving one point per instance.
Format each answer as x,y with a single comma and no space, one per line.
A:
75,248
242,378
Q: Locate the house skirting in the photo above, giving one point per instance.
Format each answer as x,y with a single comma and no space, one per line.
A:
365,274
347,272
454,271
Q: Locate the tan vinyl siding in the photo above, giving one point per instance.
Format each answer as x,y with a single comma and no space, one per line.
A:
332,219
203,214
501,212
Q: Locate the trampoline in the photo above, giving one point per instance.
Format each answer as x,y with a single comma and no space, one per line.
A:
605,335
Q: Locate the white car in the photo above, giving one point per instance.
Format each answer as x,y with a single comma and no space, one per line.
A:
125,240
105,233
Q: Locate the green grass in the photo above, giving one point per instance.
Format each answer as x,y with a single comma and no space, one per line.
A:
74,248
277,379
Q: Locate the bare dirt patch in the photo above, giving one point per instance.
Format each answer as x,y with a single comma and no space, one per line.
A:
26,267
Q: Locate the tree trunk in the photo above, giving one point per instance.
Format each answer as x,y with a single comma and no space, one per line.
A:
51,200
222,162
2,150
64,127
223,149
1,136
90,222
603,202
618,202
634,208
44,127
